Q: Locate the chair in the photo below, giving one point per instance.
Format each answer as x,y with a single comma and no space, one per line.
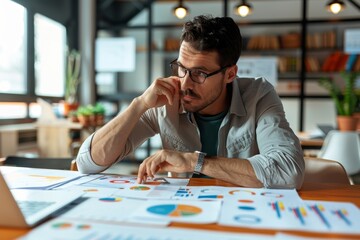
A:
325,171
50,163
343,147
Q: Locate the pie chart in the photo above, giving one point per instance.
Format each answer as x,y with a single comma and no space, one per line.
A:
175,210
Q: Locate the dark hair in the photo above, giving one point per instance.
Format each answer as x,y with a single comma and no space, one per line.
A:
221,34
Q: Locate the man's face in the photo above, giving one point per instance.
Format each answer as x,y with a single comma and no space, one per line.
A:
208,98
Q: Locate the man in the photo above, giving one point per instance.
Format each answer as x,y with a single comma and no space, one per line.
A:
209,121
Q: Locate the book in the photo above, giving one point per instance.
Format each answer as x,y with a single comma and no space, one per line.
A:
350,62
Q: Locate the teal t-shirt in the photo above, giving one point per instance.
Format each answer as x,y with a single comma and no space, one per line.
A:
209,128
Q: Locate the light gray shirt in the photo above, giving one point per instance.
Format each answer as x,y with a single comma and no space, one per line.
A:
255,128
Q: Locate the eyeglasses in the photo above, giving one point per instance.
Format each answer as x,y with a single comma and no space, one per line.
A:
195,74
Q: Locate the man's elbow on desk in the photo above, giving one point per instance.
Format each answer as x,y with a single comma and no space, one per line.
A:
86,165
273,175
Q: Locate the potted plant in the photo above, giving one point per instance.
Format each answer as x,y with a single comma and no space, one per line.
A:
345,101
73,116
99,113
72,81
84,114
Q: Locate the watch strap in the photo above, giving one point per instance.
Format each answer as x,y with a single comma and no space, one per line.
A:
200,162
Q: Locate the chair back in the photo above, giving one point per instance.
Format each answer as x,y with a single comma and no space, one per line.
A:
343,147
325,171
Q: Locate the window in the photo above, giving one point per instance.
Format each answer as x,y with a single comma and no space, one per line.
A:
13,110
33,51
50,57
12,48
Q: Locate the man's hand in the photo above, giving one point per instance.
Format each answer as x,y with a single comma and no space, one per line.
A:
162,91
166,160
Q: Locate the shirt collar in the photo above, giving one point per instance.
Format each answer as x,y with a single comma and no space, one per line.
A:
237,105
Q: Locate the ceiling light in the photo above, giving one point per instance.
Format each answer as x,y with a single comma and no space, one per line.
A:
180,11
335,6
243,9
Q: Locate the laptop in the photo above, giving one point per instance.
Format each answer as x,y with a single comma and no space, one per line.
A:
26,208
325,129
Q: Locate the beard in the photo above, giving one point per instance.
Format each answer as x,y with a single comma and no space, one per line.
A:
199,103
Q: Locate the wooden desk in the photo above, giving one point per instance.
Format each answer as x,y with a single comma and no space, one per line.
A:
314,191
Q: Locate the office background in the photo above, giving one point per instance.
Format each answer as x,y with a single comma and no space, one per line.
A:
281,28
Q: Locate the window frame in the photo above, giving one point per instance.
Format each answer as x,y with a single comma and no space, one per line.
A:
44,8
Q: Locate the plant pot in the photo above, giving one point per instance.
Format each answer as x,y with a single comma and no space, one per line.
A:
357,116
84,120
99,119
69,107
347,123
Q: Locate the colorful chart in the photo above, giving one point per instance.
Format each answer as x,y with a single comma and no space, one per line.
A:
271,194
175,210
246,201
248,208
183,192
211,196
318,209
342,214
249,219
140,188
83,227
111,199
238,192
300,213
62,225
277,207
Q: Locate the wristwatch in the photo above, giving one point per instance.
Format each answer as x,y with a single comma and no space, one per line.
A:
200,162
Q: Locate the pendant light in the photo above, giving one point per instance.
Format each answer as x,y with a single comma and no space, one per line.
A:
180,11
243,9
335,6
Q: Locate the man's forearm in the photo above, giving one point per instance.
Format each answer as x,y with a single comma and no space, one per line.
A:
109,141
236,171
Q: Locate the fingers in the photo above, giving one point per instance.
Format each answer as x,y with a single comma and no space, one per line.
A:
142,173
169,87
162,91
166,160
148,168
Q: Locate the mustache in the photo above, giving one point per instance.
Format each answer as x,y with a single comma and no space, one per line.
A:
188,92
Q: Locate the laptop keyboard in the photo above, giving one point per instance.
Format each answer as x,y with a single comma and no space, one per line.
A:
29,208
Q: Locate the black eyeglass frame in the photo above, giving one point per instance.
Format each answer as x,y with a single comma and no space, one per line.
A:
206,75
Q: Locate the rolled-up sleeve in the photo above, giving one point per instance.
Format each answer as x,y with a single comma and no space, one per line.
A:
280,163
84,161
